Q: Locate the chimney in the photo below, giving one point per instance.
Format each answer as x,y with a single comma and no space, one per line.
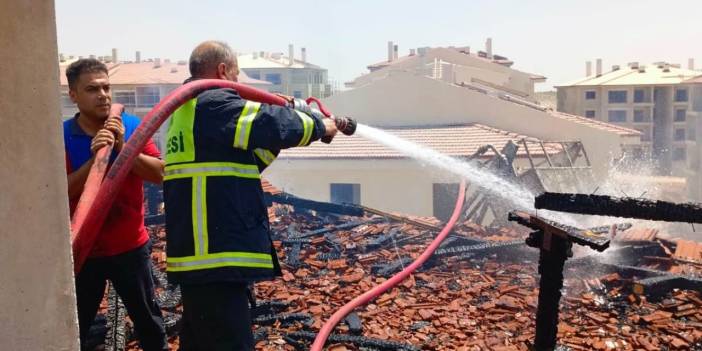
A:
255,55
303,54
92,56
291,55
691,63
395,52
634,65
138,57
157,62
412,52
391,49
598,67
488,48
588,68
114,55
615,68
62,58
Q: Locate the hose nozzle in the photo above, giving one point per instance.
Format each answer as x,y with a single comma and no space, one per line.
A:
345,125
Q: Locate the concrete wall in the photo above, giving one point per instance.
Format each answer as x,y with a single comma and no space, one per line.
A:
405,99
37,298
400,185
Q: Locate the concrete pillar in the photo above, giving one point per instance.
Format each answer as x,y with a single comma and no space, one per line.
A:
391,51
37,297
488,48
291,54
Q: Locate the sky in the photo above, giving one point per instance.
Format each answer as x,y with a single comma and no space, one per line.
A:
553,38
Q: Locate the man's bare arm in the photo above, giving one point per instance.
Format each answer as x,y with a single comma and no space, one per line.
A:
148,168
76,180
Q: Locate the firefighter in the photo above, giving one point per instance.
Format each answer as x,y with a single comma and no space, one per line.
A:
216,219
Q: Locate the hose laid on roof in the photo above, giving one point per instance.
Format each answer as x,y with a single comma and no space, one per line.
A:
89,222
328,327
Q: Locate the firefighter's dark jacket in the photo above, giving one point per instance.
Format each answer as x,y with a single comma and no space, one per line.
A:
216,218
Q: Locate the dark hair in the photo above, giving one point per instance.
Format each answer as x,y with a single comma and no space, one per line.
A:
81,66
208,55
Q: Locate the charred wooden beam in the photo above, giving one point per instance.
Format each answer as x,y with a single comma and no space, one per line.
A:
626,207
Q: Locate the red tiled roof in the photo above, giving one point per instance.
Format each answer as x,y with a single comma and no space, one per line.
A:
637,234
688,250
457,141
145,73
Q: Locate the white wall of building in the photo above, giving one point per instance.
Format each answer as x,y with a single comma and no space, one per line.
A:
406,99
400,185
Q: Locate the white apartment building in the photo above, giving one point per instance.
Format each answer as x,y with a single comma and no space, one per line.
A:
439,108
286,74
653,99
455,65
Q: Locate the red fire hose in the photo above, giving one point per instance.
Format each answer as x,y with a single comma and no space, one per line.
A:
87,223
92,184
396,279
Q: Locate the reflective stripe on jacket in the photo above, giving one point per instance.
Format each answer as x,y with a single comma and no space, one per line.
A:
216,219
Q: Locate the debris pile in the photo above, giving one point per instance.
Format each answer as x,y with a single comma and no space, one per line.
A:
479,292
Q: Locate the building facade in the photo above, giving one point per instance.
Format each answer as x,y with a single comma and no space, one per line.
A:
456,65
652,99
286,74
419,101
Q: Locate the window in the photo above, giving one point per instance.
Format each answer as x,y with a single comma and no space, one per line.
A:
679,154
253,74
345,193
679,134
297,94
639,95
299,77
126,98
617,115
444,199
617,96
640,116
66,100
273,78
681,95
590,95
147,96
680,114
590,113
